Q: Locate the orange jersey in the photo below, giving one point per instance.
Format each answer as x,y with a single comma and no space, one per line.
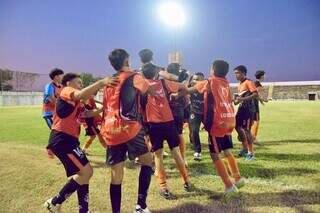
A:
157,107
121,108
67,113
224,116
245,87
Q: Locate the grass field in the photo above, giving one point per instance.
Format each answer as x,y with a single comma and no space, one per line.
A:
284,177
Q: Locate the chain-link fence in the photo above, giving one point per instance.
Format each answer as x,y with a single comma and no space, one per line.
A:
15,81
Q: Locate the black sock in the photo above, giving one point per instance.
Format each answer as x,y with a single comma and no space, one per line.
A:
70,187
144,183
83,198
115,197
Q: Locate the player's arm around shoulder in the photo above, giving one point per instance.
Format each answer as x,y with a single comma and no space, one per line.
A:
85,93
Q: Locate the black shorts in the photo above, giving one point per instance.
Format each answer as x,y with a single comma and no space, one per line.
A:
256,116
159,132
135,147
67,149
244,118
48,120
179,125
92,130
186,113
218,144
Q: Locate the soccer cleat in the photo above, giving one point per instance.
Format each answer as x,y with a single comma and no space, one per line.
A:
197,156
167,195
243,153
230,194
250,157
139,209
187,186
240,183
52,208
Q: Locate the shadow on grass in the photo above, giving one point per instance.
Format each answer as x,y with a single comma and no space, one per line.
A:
291,198
288,157
253,170
247,170
277,142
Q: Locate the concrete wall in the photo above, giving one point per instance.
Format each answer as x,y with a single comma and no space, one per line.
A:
280,92
25,98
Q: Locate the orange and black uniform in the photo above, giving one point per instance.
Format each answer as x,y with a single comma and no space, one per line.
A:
256,116
64,137
223,119
91,124
121,127
246,109
160,117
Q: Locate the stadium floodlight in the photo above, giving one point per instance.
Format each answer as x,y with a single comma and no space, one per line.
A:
172,14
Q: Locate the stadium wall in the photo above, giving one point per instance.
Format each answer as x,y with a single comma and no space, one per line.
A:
274,90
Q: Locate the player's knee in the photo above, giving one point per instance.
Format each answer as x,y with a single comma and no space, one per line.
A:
158,153
214,156
145,159
227,152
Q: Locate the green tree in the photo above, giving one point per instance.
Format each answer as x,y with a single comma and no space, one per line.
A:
5,77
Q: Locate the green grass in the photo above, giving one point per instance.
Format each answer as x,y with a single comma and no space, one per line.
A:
284,177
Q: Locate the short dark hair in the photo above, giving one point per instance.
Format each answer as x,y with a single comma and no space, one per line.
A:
241,68
200,74
259,74
149,70
117,58
146,55
174,68
69,77
221,68
56,71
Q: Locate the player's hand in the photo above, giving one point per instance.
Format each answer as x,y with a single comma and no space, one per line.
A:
152,91
174,96
110,81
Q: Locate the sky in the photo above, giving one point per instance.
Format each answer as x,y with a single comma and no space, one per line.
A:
281,37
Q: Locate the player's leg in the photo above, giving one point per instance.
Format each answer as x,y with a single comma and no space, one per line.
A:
250,155
173,142
241,120
137,148
80,171
88,143
255,126
230,188
226,145
195,121
116,156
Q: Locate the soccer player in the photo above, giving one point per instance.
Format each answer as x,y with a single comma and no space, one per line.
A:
247,92
50,95
196,116
64,139
146,57
260,76
178,106
222,125
162,127
91,125
122,129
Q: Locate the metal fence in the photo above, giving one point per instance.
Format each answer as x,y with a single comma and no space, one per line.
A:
15,81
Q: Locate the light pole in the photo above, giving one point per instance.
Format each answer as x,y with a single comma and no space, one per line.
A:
173,15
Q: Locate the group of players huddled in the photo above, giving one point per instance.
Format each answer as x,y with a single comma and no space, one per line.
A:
141,109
